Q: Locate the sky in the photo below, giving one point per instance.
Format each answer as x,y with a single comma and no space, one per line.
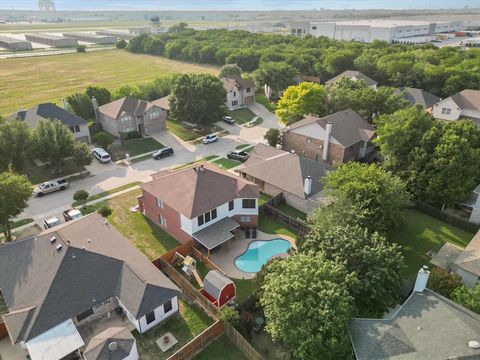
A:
69,5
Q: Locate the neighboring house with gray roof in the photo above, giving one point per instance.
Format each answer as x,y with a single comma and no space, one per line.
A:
115,343
427,326
464,262
240,91
465,104
76,273
417,96
50,111
298,178
353,75
131,114
338,138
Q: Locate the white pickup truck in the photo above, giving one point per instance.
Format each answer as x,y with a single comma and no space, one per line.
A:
49,187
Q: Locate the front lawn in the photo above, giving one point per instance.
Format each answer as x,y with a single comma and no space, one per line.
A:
135,147
241,116
137,228
226,163
221,349
206,158
38,174
108,192
419,233
188,134
271,225
190,322
292,212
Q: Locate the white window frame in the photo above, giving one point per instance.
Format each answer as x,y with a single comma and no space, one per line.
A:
160,203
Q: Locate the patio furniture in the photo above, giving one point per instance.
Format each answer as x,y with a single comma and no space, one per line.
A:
247,233
254,233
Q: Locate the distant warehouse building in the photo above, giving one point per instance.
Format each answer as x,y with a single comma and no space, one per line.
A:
93,38
117,34
15,44
370,30
52,40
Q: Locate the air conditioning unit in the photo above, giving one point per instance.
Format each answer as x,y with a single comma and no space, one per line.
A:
59,247
53,239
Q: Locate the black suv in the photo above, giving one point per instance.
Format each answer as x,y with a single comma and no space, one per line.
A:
167,151
238,155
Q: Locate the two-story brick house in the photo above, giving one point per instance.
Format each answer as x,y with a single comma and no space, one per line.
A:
130,114
338,138
240,92
465,104
200,203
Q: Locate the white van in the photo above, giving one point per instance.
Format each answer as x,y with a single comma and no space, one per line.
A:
101,155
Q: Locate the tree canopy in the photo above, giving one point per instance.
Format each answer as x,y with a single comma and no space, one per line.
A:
230,70
277,75
307,306
15,144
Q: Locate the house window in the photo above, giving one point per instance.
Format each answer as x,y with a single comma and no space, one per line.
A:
234,102
167,306
214,214
200,220
314,28
85,314
150,317
446,111
234,94
75,129
160,203
247,90
231,205
163,221
207,216
247,219
249,203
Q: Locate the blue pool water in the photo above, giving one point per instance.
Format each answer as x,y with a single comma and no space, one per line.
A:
259,252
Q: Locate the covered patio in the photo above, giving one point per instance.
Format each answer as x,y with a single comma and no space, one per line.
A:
217,234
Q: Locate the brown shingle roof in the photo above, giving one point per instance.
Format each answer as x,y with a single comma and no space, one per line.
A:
469,259
197,189
163,103
467,99
128,104
230,81
348,127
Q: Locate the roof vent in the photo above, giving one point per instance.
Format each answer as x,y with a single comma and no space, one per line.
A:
74,256
53,239
113,346
89,241
474,344
59,247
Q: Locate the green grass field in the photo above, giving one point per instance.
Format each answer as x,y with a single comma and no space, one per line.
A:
226,164
38,174
25,82
108,192
419,233
241,116
270,225
221,349
292,212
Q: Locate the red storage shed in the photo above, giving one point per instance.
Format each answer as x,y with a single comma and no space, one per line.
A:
218,288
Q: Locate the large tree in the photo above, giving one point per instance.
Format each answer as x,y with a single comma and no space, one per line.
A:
379,193
15,190
301,100
247,59
197,98
101,94
230,70
277,75
81,105
377,263
15,143
53,142
307,306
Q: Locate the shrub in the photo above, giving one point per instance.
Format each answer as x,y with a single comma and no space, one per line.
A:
121,44
81,49
105,211
230,315
103,139
444,283
80,195
131,135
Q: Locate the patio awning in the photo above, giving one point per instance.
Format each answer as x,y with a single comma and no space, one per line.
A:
217,233
55,343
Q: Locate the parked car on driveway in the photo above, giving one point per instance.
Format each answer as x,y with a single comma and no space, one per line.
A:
101,155
49,187
238,155
229,120
51,222
210,138
72,214
167,151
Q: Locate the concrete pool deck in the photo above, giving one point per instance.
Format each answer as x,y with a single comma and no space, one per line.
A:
225,257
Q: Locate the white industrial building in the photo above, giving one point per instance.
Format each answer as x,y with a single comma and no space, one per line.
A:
413,31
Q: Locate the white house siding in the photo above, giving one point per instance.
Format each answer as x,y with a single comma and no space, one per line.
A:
468,278
133,353
160,315
83,135
234,95
190,226
447,104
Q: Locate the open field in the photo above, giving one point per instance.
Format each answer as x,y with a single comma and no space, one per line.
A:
29,81
419,233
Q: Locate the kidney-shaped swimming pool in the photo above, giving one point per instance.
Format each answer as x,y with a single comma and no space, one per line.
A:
259,252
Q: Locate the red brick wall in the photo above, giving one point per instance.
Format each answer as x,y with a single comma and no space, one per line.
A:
250,224
153,212
3,330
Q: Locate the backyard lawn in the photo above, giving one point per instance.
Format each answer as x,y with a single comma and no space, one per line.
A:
191,321
421,232
270,225
137,228
226,164
74,72
292,212
241,116
263,198
244,289
221,349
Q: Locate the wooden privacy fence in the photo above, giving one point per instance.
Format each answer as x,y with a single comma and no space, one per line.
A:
200,342
183,249
297,225
240,341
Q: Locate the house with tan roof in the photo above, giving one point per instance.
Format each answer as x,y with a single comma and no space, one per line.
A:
131,114
240,91
353,75
297,178
338,138
465,104
464,262
200,203
58,284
